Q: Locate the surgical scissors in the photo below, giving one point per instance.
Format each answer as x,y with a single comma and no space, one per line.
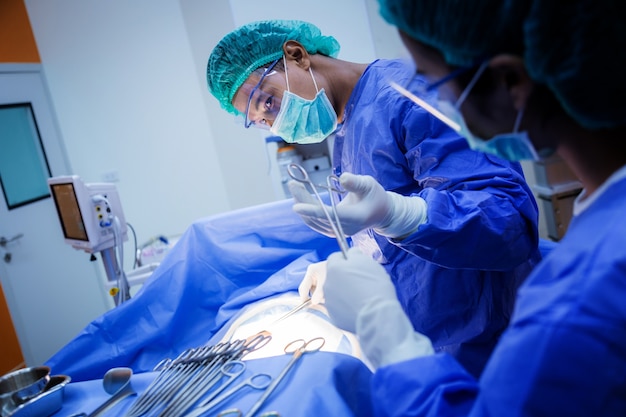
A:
297,348
169,380
299,174
203,382
257,381
183,381
255,342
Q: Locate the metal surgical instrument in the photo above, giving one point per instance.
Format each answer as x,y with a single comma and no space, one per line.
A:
292,311
299,174
237,413
257,381
298,348
183,381
205,379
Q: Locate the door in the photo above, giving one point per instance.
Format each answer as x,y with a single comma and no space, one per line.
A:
11,357
52,290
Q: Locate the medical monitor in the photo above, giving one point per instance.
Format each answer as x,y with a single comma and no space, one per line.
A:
91,215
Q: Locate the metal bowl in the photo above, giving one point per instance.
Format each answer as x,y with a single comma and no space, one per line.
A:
47,403
20,386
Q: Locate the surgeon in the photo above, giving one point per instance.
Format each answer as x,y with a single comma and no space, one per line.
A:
559,64
456,229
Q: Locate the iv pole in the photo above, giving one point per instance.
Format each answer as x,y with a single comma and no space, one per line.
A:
115,275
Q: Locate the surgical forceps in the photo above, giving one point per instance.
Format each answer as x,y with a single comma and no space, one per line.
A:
183,381
257,381
204,380
299,174
297,348
293,311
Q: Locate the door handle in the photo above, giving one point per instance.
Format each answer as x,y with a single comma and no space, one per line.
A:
4,241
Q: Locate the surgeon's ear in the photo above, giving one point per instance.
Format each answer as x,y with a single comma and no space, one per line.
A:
294,51
512,73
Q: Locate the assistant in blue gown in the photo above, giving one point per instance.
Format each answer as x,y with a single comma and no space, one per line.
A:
457,276
570,320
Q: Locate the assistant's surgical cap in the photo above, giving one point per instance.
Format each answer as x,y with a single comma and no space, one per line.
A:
577,48
251,46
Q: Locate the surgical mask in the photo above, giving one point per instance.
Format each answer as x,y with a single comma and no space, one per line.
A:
304,121
513,146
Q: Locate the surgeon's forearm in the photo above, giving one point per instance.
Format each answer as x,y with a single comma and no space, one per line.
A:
387,336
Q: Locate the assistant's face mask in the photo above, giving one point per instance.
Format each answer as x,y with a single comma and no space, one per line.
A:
513,146
304,121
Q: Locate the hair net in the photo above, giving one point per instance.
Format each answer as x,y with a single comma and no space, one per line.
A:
251,46
575,47
465,31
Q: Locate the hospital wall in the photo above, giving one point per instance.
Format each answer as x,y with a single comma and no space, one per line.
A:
127,81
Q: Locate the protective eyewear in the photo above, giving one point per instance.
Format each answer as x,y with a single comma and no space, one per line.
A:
247,121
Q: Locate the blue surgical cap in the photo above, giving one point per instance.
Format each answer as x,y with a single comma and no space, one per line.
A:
251,46
577,48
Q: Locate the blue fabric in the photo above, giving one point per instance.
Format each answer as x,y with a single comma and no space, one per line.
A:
546,246
456,277
565,351
220,264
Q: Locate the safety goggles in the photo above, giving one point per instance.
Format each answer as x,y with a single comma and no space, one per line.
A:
271,103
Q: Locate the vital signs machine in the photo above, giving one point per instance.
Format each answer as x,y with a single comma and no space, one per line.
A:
92,220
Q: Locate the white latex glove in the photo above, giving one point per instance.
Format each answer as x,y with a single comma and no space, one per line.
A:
351,284
313,282
367,205
361,298
302,196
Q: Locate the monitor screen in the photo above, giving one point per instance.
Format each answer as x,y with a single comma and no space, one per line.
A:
69,211
90,215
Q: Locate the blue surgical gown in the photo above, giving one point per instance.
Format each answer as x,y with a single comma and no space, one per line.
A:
457,276
565,351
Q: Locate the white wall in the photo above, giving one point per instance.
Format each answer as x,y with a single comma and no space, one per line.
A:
128,84
125,92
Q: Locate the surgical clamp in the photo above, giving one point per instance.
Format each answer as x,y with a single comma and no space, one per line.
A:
299,174
297,348
183,381
257,381
204,380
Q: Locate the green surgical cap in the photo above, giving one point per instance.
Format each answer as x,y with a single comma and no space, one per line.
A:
464,31
577,48
251,46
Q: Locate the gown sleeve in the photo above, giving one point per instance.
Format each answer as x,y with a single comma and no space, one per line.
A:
535,370
481,213
563,353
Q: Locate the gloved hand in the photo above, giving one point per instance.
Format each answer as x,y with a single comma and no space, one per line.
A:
313,282
367,205
361,298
